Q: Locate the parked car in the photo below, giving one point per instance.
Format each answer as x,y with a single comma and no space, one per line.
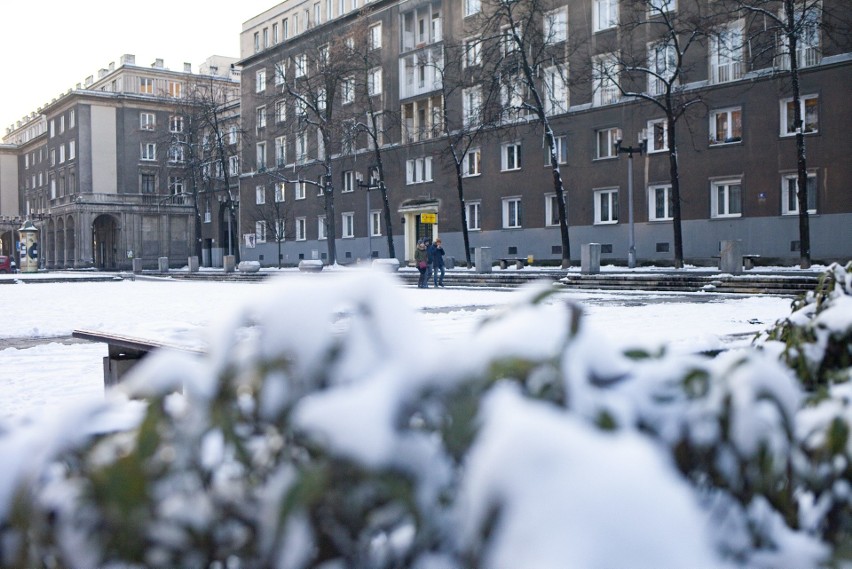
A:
7,264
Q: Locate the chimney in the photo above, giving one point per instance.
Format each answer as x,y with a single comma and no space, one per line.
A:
127,59
187,67
89,80
102,73
158,64
112,66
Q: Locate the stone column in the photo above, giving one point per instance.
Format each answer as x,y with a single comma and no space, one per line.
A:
590,258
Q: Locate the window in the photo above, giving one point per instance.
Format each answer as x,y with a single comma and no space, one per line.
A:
561,143
473,219
347,145
472,106
299,189
807,46
285,28
274,33
658,136
472,165
148,151
72,150
322,228
606,206
726,54
260,231
320,145
659,6
605,14
72,118
662,64
551,210
280,72
726,199
174,89
260,81
418,170
726,126
280,151
148,183
61,153
790,191
256,42
176,152
556,26
52,128
471,7
317,13
61,124
295,24
260,155
606,142
301,63
556,90
176,123
510,156
511,213
605,80
348,220
233,165
261,117
350,180
376,223
259,195
53,156
374,81
472,52
375,36
232,135
175,185
347,90
302,147
147,121
660,203
146,85
809,109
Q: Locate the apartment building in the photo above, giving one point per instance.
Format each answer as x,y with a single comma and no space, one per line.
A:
115,169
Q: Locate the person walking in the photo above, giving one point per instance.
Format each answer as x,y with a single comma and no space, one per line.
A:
437,256
428,242
421,262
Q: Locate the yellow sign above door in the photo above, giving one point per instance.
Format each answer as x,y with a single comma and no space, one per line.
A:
429,218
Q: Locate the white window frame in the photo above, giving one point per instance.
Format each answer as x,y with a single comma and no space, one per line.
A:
512,212
610,135
662,62
72,149
233,165
606,206
350,180
280,73
418,170
375,37
556,90
260,231
280,151
232,135
301,65
474,215
176,124
660,6
347,221
472,106
280,192
808,38
605,87
299,189
726,55
561,142
147,121
555,28
259,195
472,163
654,192
472,52
260,155
510,156
551,210
472,7
301,228
787,115
604,14
727,204
148,151
322,228
789,194
728,125
374,81
260,116
375,223
347,91
658,136
260,81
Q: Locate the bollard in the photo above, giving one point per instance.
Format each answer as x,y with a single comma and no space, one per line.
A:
482,259
137,266
590,258
229,263
193,264
163,263
731,257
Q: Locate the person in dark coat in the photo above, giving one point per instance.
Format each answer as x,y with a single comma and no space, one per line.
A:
437,258
421,261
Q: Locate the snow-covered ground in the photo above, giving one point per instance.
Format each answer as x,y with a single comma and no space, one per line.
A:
40,370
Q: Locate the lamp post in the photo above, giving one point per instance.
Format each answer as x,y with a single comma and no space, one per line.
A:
368,187
629,150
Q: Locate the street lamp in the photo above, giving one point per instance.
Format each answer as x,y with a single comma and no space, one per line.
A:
629,150
369,187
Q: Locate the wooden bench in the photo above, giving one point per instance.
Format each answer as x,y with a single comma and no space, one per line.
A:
125,351
519,263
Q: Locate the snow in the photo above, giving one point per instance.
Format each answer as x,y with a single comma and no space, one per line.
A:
38,378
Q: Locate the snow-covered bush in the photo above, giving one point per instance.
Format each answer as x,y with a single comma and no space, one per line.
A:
319,432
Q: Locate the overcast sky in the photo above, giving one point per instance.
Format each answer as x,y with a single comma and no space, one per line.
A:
48,46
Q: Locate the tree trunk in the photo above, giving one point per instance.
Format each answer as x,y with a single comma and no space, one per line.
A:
674,175
463,206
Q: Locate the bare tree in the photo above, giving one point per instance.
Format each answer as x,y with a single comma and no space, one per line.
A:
274,215
651,64
527,41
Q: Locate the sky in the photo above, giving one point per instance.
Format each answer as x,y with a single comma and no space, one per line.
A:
36,376
48,46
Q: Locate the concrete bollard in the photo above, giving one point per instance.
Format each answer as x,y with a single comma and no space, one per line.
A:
163,264
731,257
229,262
388,265
590,258
482,259
310,265
193,264
137,266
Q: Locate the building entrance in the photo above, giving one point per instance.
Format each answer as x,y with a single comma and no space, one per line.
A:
105,242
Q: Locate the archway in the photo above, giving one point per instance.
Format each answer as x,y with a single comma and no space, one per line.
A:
105,242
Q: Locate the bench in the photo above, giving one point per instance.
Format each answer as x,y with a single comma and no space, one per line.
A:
748,261
518,262
125,351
